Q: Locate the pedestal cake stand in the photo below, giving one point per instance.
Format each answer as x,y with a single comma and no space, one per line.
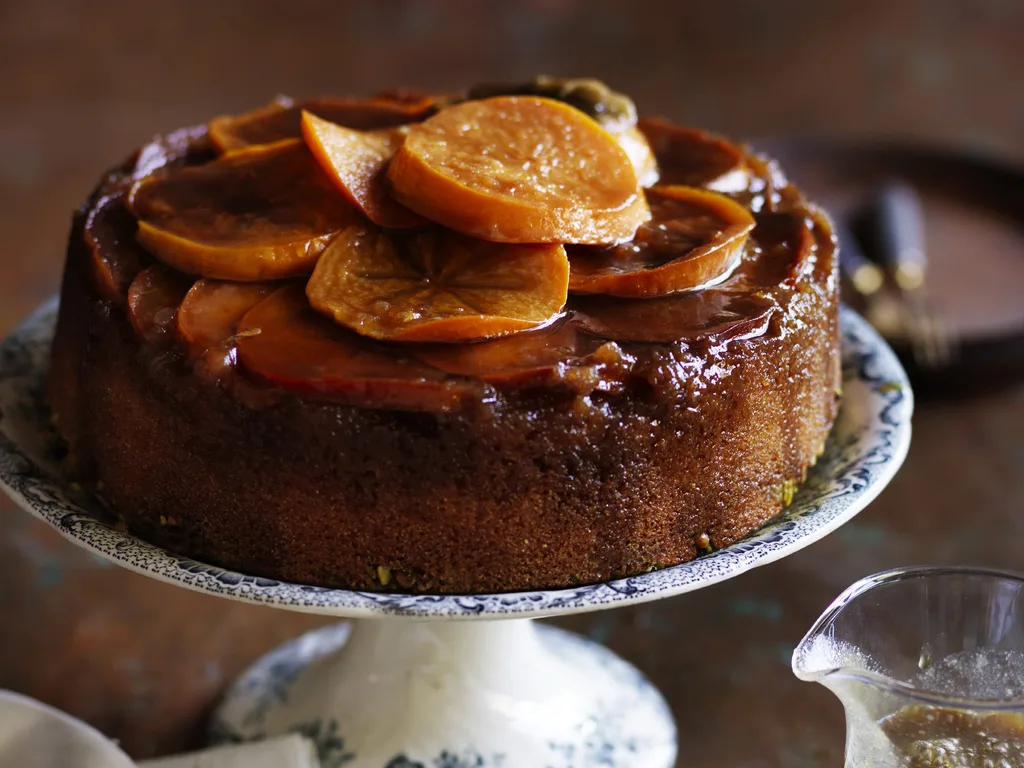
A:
442,681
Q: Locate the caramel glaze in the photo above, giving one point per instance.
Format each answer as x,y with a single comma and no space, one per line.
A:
628,435
600,345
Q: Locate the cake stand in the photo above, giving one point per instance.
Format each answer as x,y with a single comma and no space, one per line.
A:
446,681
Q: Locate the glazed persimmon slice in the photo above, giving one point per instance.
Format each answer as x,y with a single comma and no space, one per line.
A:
276,121
696,158
437,285
284,341
710,314
212,309
153,300
615,112
694,239
521,357
115,257
355,161
519,169
640,154
787,242
258,214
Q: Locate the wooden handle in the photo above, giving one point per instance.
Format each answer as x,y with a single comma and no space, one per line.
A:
864,275
899,228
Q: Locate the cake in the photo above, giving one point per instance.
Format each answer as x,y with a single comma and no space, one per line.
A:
508,340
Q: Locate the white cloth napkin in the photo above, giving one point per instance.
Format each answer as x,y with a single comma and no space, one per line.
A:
33,735
291,751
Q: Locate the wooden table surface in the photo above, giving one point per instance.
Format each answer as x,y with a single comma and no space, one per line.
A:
83,82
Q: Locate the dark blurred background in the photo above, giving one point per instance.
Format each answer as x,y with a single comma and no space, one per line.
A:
82,82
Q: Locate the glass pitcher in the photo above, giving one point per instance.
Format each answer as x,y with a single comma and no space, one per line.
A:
929,666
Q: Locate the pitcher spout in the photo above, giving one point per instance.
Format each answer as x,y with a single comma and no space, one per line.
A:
867,695
926,661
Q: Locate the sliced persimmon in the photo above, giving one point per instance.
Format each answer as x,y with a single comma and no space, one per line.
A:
115,257
519,169
640,154
615,112
284,341
787,242
153,300
612,110
163,150
258,214
212,309
522,357
694,239
696,158
711,314
356,162
437,285
276,122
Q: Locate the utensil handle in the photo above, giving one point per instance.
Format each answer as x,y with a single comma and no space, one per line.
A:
899,228
864,275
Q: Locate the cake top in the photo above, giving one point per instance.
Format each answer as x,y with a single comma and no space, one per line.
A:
519,233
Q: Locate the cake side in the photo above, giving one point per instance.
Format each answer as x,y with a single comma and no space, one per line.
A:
541,493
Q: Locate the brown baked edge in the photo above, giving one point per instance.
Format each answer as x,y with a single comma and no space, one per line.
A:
542,493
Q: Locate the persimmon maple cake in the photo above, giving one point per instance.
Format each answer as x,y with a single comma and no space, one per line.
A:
507,340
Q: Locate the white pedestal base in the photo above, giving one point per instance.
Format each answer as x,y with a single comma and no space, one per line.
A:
400,694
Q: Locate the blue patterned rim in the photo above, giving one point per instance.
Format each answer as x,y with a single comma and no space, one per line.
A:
866,447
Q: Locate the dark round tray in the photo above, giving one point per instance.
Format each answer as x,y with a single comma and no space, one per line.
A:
974,222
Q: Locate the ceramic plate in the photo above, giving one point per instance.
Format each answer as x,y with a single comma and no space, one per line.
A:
866,447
